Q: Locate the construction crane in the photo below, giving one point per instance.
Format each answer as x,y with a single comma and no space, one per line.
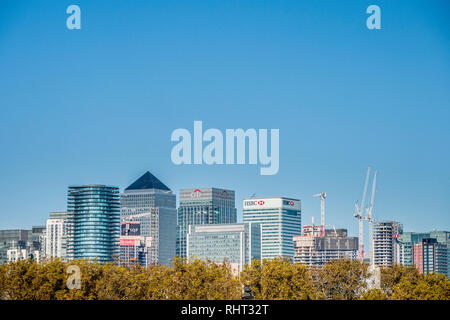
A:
369,217
322,196
359,211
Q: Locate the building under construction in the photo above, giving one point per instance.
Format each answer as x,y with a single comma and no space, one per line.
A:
315,247
135,248
385,242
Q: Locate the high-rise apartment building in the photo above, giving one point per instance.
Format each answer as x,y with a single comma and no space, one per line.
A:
312,249
385,242
280,219
408,241
200,206
238,243
151,203
430,256
56,235
94,217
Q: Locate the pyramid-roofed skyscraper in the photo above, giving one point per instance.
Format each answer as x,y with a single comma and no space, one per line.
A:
148,181
152,204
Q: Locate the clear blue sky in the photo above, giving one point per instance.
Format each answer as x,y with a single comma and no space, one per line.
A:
98,105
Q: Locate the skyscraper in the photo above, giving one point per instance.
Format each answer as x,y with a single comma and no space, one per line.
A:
239,243
203,206
56,235
280,219
386,247
93,213
151,203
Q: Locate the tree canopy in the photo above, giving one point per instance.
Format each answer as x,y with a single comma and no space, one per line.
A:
201,280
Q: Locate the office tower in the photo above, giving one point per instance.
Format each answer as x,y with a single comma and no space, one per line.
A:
385,242
430,256
280,219
203,206
238,243
93,216
151,203
17,240
312,249
21,244
56,235
134,248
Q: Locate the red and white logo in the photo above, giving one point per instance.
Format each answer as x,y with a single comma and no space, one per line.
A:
261,202
196,193
291,203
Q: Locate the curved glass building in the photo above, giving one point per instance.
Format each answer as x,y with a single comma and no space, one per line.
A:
94,213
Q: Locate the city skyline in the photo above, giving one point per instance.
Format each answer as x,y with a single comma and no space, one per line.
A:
98,105
238,205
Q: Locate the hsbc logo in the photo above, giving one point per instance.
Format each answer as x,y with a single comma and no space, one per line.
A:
254,203
288,203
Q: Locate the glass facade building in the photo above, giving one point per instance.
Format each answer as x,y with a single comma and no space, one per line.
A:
13,239
94,216
430,256
203,206
151,203
280,219
238,243
408,240
21,244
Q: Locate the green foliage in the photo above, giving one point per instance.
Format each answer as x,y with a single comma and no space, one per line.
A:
341,279
279,279
200,280
374,294
429,287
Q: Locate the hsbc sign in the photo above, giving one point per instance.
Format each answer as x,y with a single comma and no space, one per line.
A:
292,204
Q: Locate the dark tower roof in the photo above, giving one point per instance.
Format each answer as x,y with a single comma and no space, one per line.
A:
147,181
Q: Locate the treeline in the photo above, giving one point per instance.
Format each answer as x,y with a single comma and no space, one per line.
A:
200,280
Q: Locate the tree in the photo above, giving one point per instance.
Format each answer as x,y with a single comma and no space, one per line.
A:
341,279
429,287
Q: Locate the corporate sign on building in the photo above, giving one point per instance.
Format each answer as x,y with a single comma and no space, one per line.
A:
206,193
270,203
130,229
